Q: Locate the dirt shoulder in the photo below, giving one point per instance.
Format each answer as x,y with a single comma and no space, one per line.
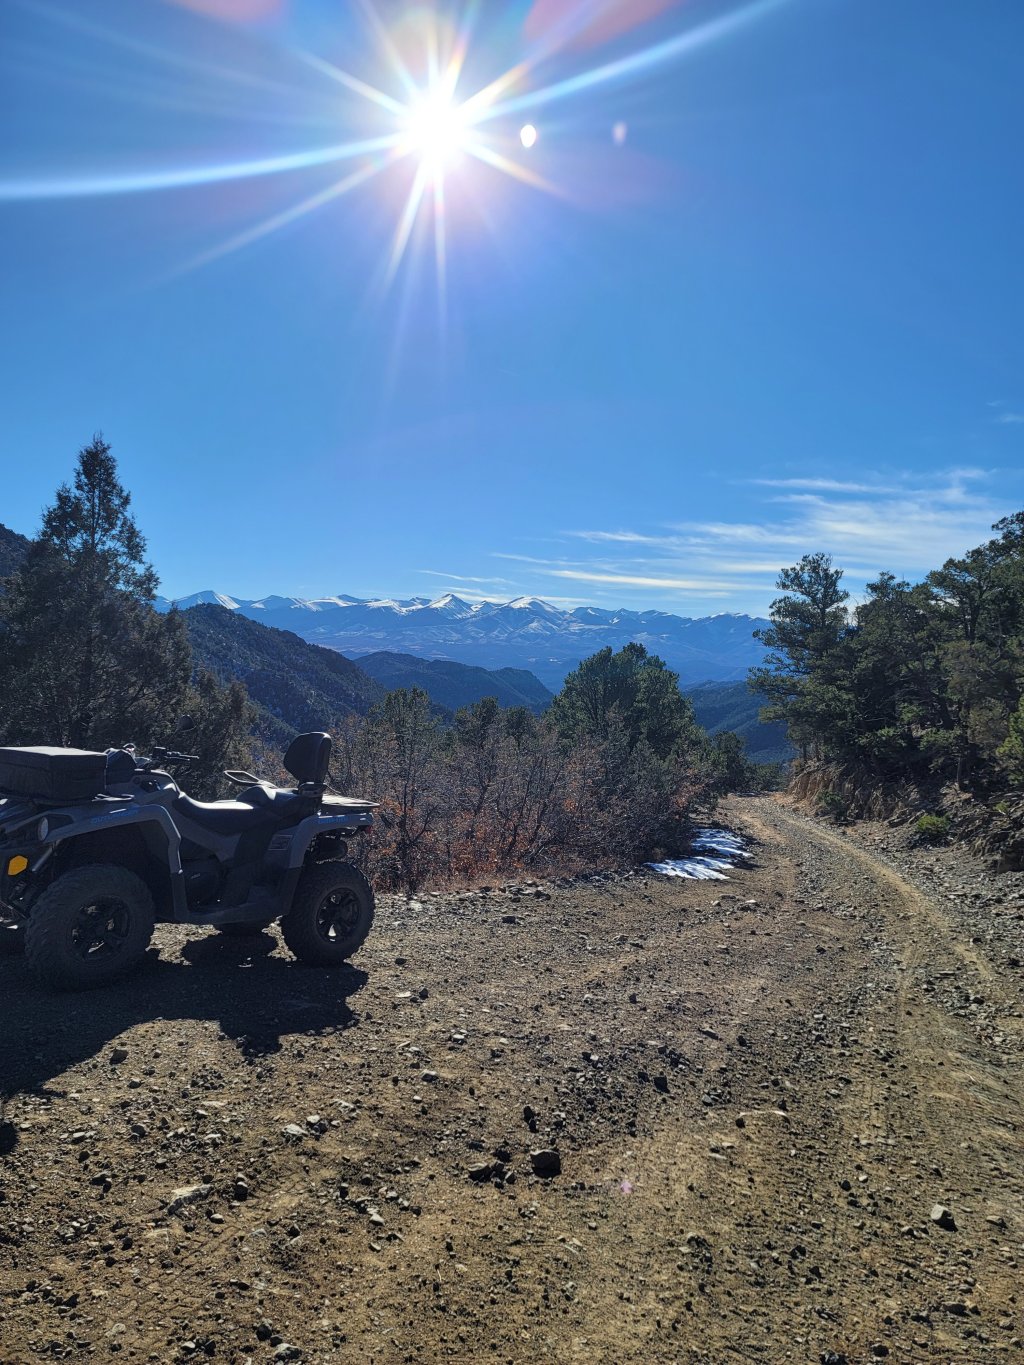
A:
757,1092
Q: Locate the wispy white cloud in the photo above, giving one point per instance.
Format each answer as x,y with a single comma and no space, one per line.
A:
907,524
462,578
618,538
825,485
702,585
1008,419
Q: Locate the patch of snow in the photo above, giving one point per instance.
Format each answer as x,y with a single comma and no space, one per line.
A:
720,841
695,869
704,866
209,597
532,604
278,603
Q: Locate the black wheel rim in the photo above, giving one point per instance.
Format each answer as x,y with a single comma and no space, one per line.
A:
337,915
101,928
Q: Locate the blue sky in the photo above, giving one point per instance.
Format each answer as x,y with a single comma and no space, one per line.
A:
767,300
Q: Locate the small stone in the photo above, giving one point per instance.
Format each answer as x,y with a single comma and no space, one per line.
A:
546,1162
118,1055
943,1217
661,1083
185,1195
429,1076
139,1130
295,1132
481,1171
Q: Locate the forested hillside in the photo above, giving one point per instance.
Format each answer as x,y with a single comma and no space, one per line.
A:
12,550
732,706
453,685
920,682
294,686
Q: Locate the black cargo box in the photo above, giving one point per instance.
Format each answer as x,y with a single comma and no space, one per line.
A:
51,774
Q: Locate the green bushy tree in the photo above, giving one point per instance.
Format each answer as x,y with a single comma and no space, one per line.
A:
630,690
926,678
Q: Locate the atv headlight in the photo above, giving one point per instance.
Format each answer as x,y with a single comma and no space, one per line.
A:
42,829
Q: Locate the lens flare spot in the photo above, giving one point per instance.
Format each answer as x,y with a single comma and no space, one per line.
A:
528,136
619,134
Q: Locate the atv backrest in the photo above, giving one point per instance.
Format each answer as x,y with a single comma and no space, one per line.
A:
308,757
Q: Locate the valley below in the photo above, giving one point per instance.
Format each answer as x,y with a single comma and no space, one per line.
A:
625,1118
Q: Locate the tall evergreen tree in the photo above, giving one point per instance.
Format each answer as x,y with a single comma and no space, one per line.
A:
808,625
86,661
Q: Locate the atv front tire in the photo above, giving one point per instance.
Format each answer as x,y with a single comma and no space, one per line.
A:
90,926
330,916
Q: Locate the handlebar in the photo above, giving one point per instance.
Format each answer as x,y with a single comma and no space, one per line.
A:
162,755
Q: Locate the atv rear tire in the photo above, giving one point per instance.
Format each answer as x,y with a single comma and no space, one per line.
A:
331,915
89,927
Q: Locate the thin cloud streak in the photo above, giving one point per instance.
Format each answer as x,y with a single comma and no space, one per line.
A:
869,525
714,589
826,485
462,578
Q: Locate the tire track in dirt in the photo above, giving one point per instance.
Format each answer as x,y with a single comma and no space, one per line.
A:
958,1098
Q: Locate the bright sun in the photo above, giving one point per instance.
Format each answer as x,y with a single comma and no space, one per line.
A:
436,128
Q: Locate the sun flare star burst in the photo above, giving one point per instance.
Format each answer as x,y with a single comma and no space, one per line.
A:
417,122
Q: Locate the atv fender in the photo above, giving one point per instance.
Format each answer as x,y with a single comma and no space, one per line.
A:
292,846
158,830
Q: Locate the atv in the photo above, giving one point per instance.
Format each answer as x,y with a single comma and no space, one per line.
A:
95,848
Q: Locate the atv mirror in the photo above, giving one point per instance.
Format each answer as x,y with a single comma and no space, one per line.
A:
185,723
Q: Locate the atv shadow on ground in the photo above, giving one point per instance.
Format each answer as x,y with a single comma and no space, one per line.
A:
256,999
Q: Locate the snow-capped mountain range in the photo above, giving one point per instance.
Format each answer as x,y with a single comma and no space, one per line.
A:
523,633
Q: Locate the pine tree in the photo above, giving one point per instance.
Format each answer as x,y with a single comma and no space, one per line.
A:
86,660
808,626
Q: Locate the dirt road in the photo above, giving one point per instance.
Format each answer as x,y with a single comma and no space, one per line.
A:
758,1092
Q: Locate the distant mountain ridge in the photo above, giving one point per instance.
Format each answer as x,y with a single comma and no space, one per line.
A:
524,633
732,706
454,685
296,686
293,685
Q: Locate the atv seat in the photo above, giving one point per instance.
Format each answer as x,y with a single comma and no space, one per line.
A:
281,802
226,817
